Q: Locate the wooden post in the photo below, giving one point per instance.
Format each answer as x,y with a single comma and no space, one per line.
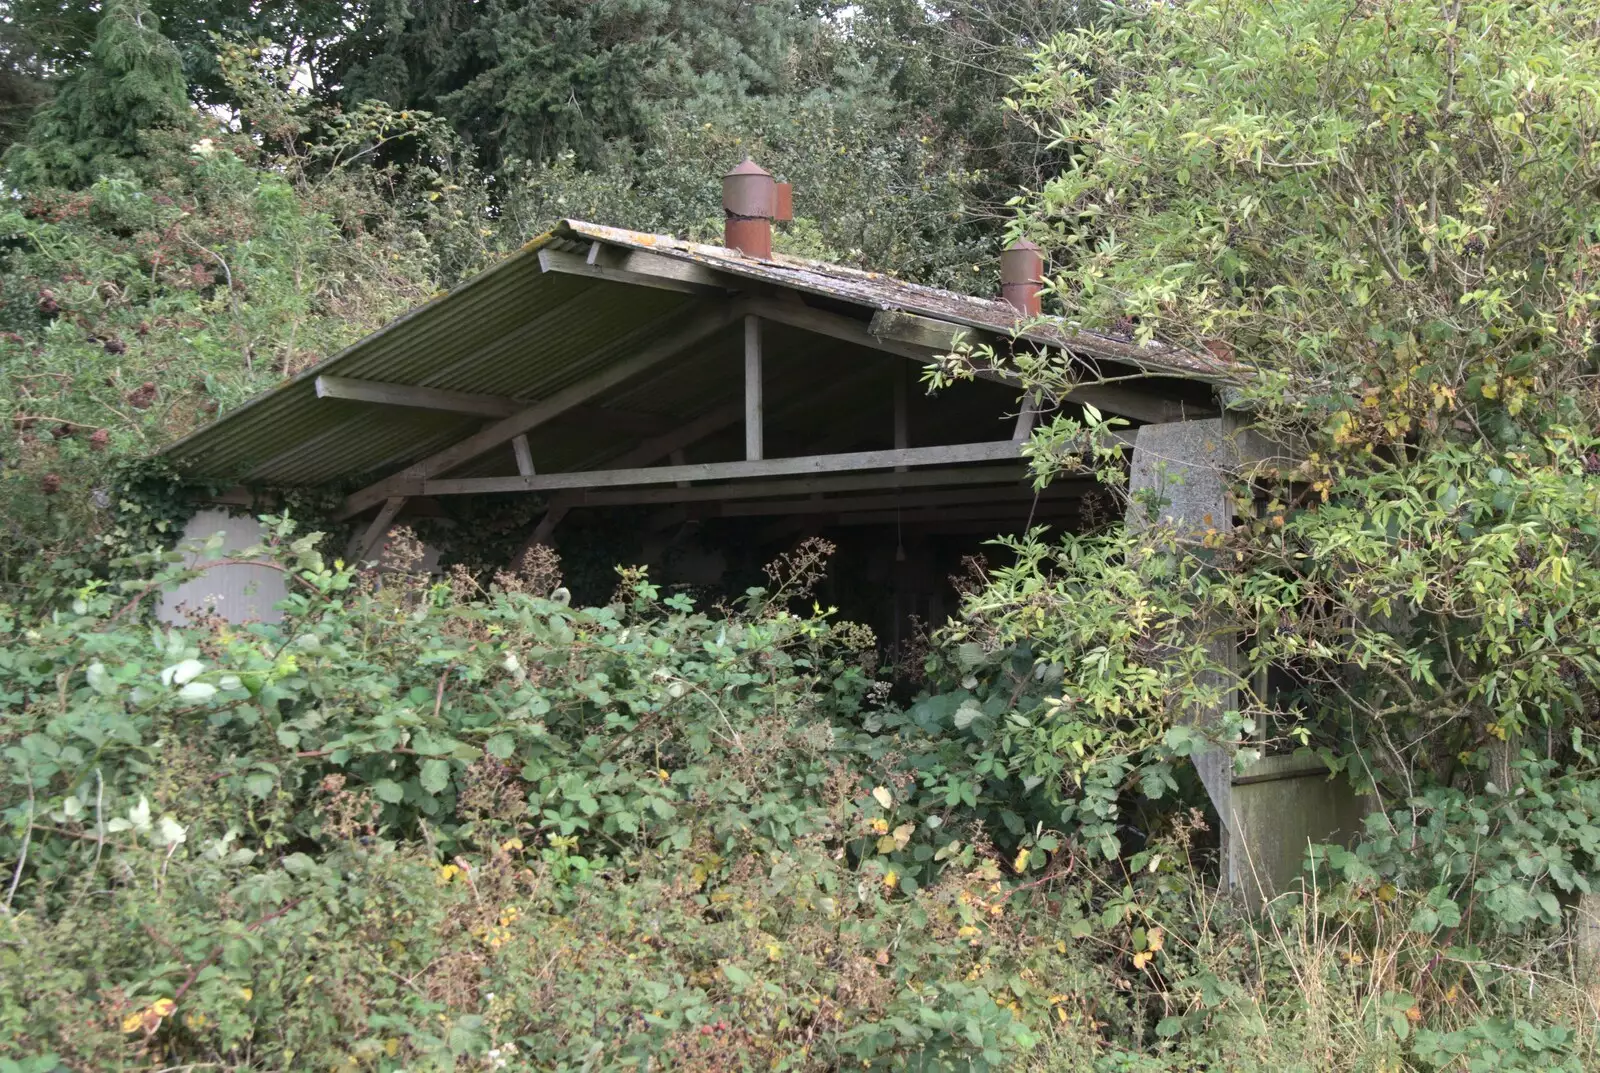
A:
380,526
752,389
1025,419
902,432
559,508
519,444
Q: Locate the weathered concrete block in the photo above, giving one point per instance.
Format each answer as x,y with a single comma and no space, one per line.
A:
1187,463
1280,805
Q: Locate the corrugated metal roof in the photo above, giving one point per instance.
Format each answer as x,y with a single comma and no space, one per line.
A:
517,331
878,291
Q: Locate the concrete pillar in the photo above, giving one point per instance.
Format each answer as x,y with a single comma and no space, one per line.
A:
1271,811
1186,465
1279,805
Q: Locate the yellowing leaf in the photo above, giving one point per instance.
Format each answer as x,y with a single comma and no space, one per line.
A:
1021,863
1154,940
1141,959
883,797
891,879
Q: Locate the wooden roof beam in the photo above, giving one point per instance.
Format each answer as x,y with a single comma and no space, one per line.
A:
697,328
1001,476
1014,495
383,393
910,335
419,398
940,337
951,454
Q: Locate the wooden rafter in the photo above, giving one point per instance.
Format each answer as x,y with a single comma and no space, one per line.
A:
420,398
637,267
384,393
911,335
376,531
697,328
937,336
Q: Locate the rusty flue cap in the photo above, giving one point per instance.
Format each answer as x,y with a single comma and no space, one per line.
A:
1022,277
749,202
748,190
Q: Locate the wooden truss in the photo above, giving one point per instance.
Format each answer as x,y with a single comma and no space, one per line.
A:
638,477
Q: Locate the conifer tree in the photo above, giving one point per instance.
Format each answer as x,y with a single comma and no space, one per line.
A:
133,83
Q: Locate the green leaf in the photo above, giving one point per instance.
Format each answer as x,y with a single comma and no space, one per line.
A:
259,784
501,746
389,790
435,775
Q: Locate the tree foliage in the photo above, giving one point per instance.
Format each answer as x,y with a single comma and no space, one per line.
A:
131,86
1372,219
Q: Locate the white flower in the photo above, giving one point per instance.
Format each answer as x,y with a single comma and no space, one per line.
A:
170,832
182,673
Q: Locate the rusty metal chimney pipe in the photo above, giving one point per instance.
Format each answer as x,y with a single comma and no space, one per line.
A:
749,202
1022,277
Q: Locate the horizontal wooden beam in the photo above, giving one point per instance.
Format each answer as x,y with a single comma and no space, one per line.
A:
954,454
951,516
673,343
1012,475
420,398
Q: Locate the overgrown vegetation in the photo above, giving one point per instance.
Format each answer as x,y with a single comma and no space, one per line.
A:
426,824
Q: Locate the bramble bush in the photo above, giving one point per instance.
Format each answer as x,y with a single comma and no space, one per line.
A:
416,822
425,824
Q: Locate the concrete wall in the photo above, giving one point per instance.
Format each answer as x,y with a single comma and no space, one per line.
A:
1280,805
239,593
